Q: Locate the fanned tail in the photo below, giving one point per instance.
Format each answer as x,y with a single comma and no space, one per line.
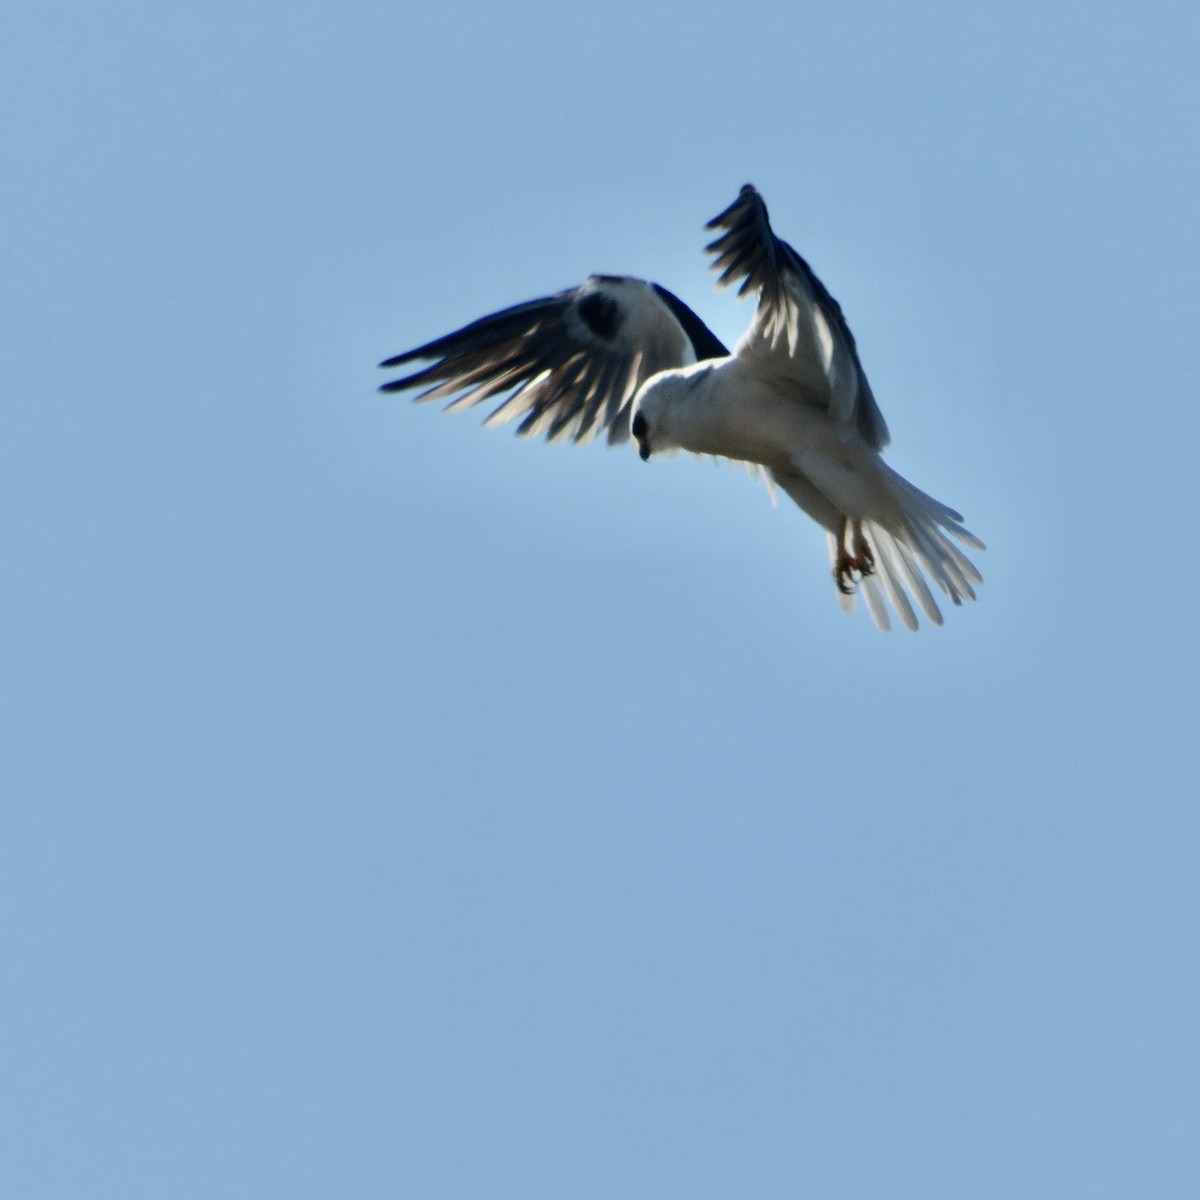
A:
914,544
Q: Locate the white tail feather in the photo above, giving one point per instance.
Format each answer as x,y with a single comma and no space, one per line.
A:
910,544
873,595
911,539
886,560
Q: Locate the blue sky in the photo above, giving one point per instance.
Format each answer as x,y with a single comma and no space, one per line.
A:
396,808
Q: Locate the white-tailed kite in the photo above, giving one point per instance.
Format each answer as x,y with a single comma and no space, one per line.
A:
792,401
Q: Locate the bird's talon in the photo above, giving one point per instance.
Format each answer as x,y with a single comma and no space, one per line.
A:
843,575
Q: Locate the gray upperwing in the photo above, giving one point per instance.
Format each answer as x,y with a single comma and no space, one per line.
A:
570,363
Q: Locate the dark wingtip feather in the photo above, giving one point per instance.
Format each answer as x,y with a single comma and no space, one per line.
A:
747,192
398,359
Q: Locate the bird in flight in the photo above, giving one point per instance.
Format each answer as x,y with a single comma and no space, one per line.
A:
626,357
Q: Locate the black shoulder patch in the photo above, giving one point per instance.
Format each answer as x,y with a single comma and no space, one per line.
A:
705,343
601,314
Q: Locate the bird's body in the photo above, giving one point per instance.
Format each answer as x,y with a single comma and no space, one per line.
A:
723,409
628,356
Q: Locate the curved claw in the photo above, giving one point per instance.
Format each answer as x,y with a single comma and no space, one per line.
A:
851,567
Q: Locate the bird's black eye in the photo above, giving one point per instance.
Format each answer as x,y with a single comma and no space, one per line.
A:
638,427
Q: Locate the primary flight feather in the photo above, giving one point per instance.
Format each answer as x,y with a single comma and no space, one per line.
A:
627,357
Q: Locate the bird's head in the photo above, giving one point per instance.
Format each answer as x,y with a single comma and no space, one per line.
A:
655,408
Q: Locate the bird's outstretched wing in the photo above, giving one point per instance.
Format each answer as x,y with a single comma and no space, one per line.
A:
799,326
568,364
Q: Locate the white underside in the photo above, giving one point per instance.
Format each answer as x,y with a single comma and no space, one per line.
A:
727,410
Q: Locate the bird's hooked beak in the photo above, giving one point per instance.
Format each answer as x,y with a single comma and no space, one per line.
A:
640,431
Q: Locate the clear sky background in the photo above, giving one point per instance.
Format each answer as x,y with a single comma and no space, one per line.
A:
394,808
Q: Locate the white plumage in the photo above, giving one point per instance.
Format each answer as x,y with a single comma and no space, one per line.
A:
627,356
